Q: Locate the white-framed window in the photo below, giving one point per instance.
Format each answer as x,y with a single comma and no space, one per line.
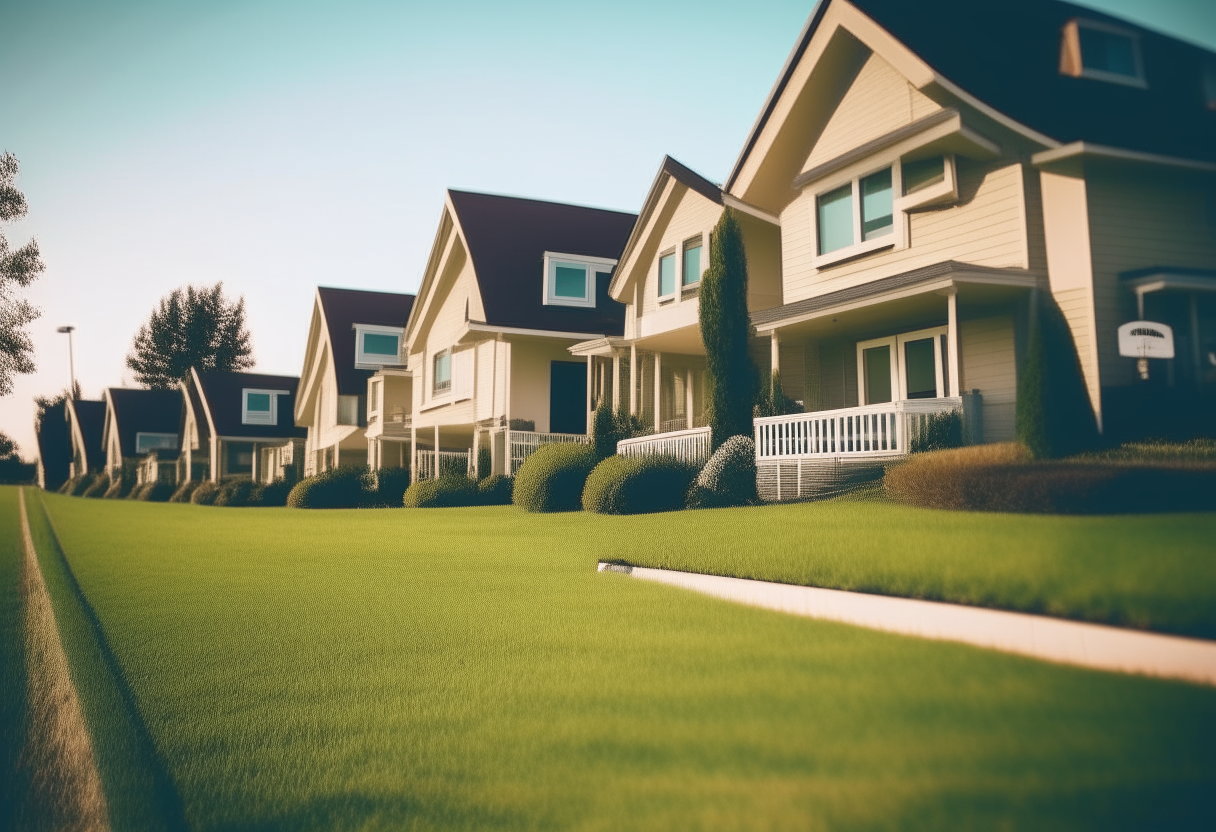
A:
667,275
377,345
348,410
146,442
900,367
691,267
441,373
373,396
1103,52
571,279
260,407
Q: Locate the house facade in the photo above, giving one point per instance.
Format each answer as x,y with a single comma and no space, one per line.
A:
239,425
139,423
510,285
353,334
86,423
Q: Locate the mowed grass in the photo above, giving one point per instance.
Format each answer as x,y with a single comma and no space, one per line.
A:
1152,571
467,668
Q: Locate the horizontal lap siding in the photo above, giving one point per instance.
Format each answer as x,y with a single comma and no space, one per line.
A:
989,364
450,319
1076,304
691,215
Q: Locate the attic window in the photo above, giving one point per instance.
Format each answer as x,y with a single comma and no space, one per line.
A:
260,407
377,345
571,280
1089,49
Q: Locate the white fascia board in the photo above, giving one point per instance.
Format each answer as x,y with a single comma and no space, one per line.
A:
751,210
534,333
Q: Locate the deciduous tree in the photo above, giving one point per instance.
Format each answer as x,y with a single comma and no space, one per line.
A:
191,327
18,269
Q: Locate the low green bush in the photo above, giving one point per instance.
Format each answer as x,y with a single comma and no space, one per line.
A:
78,485
941,431
485,463
552,478
729,478
386,486
637,485
234,493
183,492
100,487
270,494
445,492
336,488
495,490
156,492
204,493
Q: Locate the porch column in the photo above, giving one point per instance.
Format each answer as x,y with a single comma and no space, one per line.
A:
215,459
775,352
633,379
496,456
476,450
436,451
616,381
658,392
1194,304
688,396
590,386
953,386
413,455
253,464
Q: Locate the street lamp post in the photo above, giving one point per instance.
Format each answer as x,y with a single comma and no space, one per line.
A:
67,330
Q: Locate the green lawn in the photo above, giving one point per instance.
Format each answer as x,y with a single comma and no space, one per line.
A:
467,668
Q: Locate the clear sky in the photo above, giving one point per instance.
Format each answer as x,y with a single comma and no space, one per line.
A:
280,145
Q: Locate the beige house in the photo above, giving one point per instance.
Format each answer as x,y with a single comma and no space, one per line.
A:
86,421
353,335
511,284
139,423
928,178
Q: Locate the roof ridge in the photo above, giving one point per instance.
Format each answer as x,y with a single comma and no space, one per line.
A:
541,201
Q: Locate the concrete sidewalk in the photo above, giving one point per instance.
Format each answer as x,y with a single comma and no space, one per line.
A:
1053,639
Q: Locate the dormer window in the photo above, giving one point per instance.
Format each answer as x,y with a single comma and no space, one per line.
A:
146,442
376,346
1090,49
260,407
571,280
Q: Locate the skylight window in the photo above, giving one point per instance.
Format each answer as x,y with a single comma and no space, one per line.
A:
1090,49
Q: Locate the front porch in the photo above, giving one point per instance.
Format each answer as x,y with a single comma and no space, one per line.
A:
456,448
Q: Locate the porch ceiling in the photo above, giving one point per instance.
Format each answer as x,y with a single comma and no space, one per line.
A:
685,340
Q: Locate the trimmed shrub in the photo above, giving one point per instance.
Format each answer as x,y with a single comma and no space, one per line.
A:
445,492
552,478
941,432
155,492
386,486
183,492
729,478
485,464
637,485
336,488
605,431
204,493
78,485
68,485
495,490
101,486
234,492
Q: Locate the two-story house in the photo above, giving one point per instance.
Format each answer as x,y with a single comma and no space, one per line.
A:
510,285
353,334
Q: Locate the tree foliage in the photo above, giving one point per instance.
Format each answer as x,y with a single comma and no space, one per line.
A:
18,268
54,438
191,327
731,376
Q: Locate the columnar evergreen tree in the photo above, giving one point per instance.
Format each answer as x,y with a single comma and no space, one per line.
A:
18,268
197,327
604,432
1054,416
731,376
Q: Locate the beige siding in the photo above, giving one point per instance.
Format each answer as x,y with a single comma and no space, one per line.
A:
484,392
985,228
1077,306
687,214
449,317
879,101
530,360
989,364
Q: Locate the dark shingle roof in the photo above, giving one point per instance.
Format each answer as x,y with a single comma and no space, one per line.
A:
145,411
222,394
91,416
343,309
507,239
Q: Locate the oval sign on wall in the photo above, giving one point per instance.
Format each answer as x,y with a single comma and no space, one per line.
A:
1146,339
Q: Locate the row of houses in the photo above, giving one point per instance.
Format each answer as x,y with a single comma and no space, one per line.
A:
918,175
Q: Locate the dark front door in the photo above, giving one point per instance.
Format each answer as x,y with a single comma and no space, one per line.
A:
568,397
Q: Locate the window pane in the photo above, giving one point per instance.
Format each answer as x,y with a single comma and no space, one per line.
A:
376,344
1107,52
878,374
348,410
836,219
570,282
919,370
257,402
876,205
692,265
667,275
443,371
923,172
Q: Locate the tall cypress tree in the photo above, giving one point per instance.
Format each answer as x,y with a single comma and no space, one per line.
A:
1054,416
731,376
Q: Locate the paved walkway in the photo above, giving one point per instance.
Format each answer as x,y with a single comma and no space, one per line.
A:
1053,639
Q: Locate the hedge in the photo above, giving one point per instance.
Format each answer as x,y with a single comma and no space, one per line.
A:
234,492
155,492
552,478
100,487
495,490
386,486
445,492
637,485
204,493
183,492
941,431
729,478
336,488
270,494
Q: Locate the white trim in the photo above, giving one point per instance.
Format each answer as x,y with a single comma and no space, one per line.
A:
372,361
274,406
729,201
899,381
673,253
536,333
1068,151
696,241
898,237
590,266
942,193
446,392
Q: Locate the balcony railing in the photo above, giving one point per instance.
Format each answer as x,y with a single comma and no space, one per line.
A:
692,445
523,443
873,430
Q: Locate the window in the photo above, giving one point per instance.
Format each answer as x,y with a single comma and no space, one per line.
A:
907,366
373,396
877,205
571,280
836,219
1103,52
260,407
441,375
146,442
377,345
923,173
348,410
852,215
692,261
667,275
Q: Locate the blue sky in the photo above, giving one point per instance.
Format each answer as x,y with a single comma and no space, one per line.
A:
277,146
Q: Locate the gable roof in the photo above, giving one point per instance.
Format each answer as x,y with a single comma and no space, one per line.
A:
220,394
90,417
342,309
144,411
1008,57
507,238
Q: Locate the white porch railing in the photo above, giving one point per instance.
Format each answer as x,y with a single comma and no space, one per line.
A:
687,445
448,460
873,430
523,443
